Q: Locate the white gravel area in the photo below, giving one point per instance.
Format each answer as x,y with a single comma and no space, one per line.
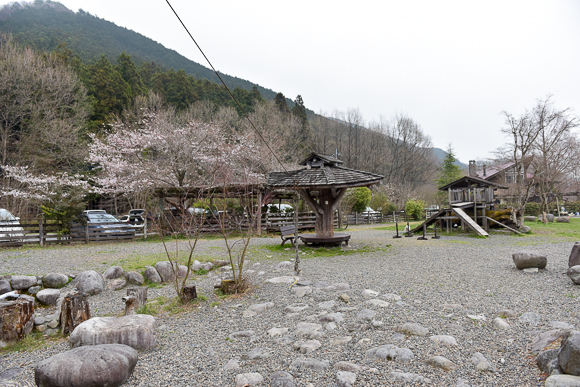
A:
436,284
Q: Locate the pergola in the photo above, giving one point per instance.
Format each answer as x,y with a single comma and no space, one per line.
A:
323,184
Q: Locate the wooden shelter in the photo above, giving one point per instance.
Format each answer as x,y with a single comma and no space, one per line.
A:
323,184
467,193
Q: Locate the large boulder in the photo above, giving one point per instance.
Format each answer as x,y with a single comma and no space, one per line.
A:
569,356
530,218
166,272
562,381
563,219
54,280
152,275
574,274
89,282
22,282
134,278
92,366
137,331
48,296
5,287
550,217
526,259
574,258
113,272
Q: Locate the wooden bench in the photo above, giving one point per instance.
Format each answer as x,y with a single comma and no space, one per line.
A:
287,234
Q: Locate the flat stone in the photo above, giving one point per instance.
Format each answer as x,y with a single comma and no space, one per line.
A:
305,328
301,291
391,352
500,323
530,318
93,365
368,293
444,340
561,325
309,363
525,259
408,377
307,346
327,304
562,219
117,284
481,363
377,302
261,307
441,362
295,308
283,266
332,317
391,297
366,314
288,279
38,320
345,378
277,332
54,280
53,323
257,353
137,331
233,364
412,329
547,361
563,381
340,340
338,287
22,282
34,290
249,379
113,272
347,366
531,270
236,335
282,379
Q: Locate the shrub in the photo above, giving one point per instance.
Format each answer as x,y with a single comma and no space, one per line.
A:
359,198
415,209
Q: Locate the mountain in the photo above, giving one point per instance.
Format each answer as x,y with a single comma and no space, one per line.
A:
440,154
46,25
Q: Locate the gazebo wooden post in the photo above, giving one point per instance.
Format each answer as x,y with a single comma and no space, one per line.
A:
259,214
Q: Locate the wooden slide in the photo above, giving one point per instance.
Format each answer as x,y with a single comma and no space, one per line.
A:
470,222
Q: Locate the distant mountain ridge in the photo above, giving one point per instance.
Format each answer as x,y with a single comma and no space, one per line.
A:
440,155
44,26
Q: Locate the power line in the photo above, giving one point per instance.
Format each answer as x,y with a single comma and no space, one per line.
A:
227,88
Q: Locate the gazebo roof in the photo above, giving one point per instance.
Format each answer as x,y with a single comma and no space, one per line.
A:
470,181
322,172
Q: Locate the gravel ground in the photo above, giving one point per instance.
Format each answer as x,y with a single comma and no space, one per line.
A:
428,276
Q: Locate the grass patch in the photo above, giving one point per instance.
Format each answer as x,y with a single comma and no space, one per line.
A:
316,252
32,342
402,225
556,230
170,305
138,262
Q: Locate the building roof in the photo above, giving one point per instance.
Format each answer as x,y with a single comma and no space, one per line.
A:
322,177
470,181
494,170
327,160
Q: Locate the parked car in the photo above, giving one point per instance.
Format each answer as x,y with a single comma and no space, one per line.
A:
10,229
107,224
279,209
133,219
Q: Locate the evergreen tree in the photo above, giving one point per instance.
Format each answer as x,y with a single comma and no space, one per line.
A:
280,102
129,72
449,171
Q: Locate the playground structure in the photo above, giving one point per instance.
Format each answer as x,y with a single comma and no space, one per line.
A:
470,200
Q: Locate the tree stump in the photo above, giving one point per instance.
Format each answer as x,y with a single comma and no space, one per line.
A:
75,309
16,320
189,293
135,299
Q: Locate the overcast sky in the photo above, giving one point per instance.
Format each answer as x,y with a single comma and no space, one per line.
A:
453,66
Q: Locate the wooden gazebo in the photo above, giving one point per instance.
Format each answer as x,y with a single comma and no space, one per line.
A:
323,184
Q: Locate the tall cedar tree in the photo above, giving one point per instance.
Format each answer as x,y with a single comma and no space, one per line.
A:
280,102
449,171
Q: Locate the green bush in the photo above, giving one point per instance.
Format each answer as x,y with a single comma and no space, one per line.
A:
532,209
415,209
359,198
381,200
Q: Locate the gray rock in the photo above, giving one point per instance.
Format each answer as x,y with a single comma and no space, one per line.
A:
134,278
283,266
257,353
309,363
305,328
574,258
391,352
550,217
561,325
530,318
301,291
507,313
282,379
525,229
530,218
89,282
444,340
574,274
295,308
288,279
547,361
54,280
10,373
531,270
34,289
377,302
166,271
391,297
249,379
500,323
481,363
344,298
277,332
235,335
525,259
569,356
562,219
541,341
95,365
53,323
117,284
137,331
563,381
327,304
113,272
408,377
22,282
441,362
338,287
48,296
366,314
307,346
233,364
462,383
152,275
38,320
261,307
332,317
182,271
368,293
347,366
5,286
412,329
340,340
345,378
